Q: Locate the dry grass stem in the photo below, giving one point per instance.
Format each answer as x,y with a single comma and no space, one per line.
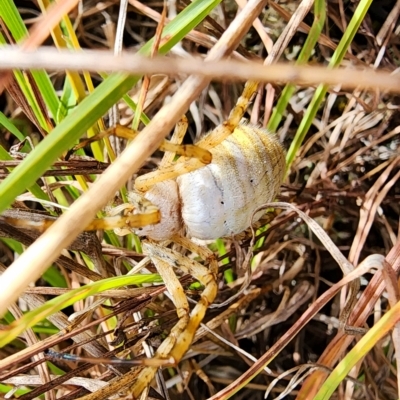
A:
89,60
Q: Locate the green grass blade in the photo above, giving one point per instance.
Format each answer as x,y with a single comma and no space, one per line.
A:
58,303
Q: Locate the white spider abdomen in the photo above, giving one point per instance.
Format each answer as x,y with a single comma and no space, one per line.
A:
246,171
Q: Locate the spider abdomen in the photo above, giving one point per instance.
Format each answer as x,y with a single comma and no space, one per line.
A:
219,199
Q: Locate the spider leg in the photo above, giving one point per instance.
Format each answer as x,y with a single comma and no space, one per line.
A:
221,132
123,132
176,138
167,168
144,182
151,215
182,334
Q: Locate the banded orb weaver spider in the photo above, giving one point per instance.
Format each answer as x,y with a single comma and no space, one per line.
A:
205,202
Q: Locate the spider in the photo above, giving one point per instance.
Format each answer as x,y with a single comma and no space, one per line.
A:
200,198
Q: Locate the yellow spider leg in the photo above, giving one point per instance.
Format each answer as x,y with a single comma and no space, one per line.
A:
139,210
176,138
204,252
122,132
144,182
108,223
129,221
167,169
221,132
181,336
208,278
146,214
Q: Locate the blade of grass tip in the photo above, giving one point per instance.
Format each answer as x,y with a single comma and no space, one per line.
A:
94,107
31,318
304,56
319,95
